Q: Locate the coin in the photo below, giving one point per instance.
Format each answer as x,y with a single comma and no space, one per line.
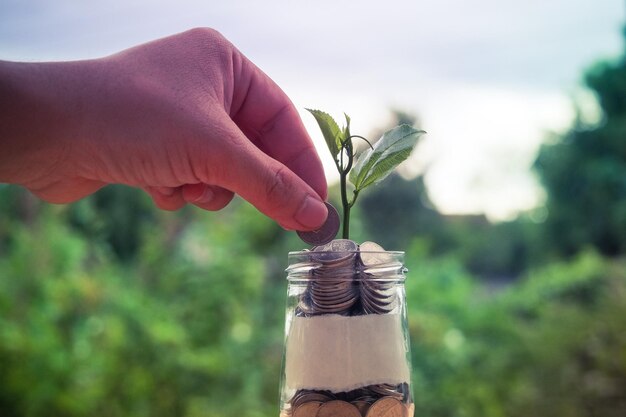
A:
389,390
362,405
387,407
338,408
344,245
371,252
305,396
327,232
307,409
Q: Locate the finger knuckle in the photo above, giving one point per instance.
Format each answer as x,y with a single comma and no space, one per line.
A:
277,187
210,38
205,32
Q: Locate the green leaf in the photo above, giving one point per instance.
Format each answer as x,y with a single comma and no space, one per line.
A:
332,134
346,130
375,164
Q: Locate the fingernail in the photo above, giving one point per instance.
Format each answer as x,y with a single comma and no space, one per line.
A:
206,196
312,213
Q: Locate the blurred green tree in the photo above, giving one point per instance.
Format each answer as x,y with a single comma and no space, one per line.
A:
188,315
397,211
584,173
550,344
117,216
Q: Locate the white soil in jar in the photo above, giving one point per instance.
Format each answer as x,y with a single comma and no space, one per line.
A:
339,353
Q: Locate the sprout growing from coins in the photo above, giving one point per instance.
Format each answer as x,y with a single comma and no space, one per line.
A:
368,168
346,351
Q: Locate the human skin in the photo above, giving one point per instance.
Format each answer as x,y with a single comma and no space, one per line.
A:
187,118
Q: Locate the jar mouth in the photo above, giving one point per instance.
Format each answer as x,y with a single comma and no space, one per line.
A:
354,252
373,266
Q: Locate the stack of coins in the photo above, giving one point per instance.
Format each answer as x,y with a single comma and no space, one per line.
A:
348,279
332,289
377,294
371,401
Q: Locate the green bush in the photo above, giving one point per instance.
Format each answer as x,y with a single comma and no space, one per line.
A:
553,344
191,328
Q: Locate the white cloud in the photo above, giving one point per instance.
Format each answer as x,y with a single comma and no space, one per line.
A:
485,142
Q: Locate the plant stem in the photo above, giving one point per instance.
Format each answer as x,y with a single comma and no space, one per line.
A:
343,172
346,207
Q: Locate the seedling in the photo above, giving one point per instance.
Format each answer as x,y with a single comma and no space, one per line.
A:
372,165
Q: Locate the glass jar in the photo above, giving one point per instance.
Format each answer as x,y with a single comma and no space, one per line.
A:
347,351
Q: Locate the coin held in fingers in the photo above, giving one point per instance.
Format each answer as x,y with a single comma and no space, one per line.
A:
327,232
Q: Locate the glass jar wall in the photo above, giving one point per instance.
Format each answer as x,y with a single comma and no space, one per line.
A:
346,350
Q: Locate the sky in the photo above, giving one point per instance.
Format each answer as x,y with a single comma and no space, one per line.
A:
489,80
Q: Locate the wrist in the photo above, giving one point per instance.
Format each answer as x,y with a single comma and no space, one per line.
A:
40,113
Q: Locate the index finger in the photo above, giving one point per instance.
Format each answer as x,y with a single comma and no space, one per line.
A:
269,119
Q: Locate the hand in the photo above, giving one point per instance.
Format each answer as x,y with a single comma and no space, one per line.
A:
187,118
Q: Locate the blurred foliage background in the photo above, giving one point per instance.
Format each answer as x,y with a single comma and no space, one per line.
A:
109,307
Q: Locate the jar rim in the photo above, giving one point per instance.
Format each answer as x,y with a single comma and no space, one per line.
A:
387,252
397,278
380,266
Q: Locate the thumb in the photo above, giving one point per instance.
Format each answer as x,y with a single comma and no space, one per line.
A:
270,186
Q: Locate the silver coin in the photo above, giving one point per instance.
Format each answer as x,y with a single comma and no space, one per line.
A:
349,279
326,232
344,245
